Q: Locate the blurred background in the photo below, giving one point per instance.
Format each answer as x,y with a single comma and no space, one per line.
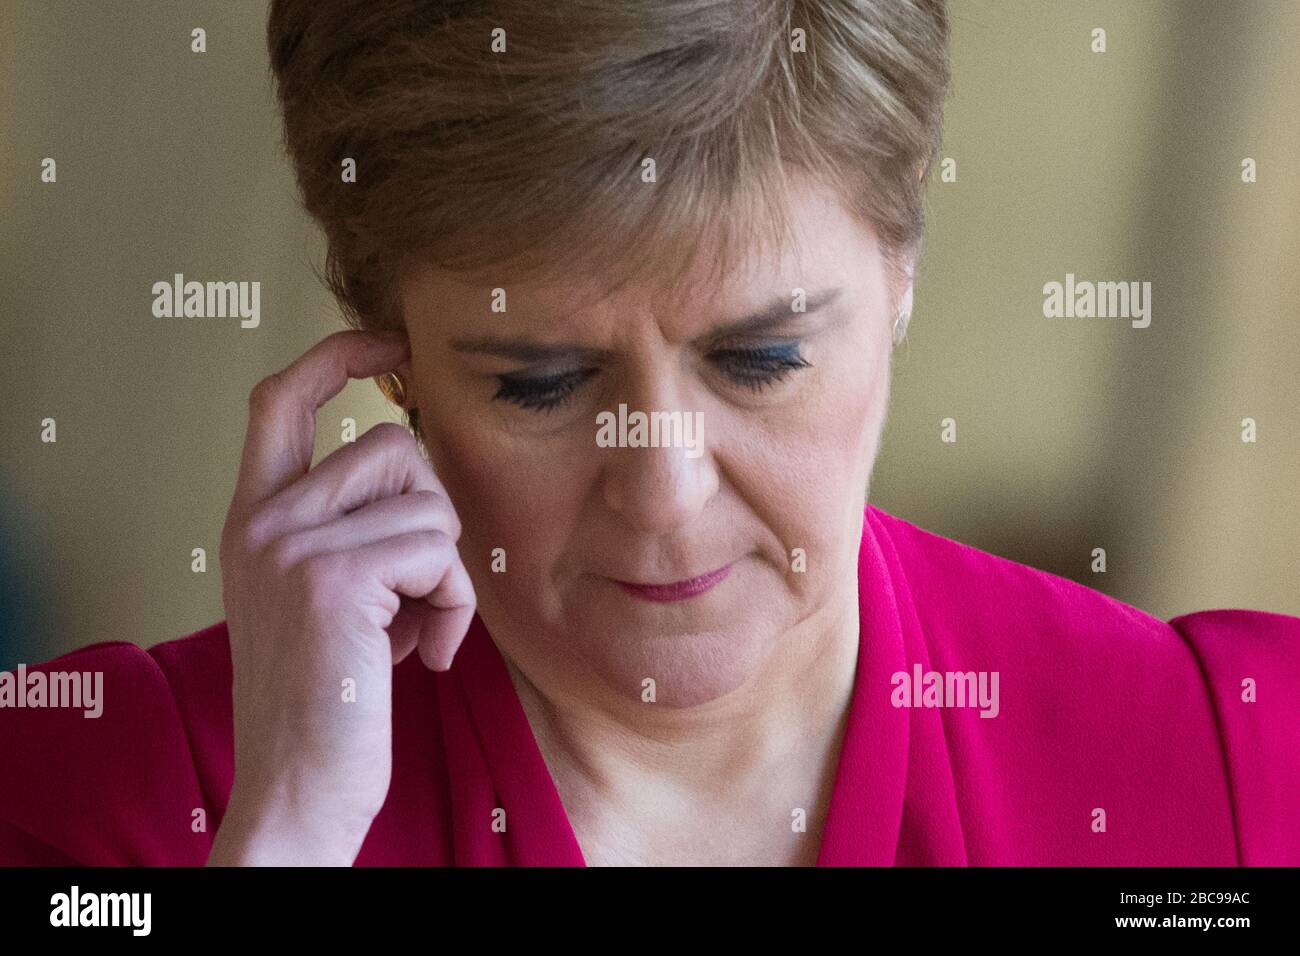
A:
1072,434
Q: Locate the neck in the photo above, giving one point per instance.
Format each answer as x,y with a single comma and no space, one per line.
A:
778,734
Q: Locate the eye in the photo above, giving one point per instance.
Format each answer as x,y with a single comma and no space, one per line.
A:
541,393
757,368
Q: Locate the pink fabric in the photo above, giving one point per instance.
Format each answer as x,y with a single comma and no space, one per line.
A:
1101,706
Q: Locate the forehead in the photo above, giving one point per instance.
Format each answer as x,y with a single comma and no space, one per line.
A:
827,246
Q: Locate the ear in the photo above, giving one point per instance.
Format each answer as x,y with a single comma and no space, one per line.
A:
905,300
408,382
404,373
901,271
901,284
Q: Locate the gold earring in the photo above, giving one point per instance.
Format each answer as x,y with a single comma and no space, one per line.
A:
394,389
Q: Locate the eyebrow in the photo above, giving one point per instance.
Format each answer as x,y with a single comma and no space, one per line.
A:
775,313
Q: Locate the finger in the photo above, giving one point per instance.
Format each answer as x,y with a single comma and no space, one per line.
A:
418,510
282,407
422,564
404,631
454,603
385,462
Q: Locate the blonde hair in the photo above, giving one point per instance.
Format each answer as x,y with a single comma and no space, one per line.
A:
530,159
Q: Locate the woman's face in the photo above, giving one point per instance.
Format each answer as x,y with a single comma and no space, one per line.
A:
789,413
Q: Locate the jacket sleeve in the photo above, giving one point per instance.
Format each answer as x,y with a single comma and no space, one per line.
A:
118,788
1251,664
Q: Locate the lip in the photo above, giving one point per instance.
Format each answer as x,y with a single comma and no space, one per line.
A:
678,590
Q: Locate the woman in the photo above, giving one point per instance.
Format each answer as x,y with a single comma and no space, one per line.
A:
636,280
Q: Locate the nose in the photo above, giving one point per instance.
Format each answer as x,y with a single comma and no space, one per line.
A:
660,488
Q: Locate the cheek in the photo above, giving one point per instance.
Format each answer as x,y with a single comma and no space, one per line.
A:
857,392
804,470
523,501
471,459
825,436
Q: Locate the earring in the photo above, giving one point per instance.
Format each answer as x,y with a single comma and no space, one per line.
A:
900,326
394,389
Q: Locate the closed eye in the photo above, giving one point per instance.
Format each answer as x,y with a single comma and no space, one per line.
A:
752,368
541,393
758,368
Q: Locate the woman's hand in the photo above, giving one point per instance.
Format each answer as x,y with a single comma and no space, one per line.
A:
331,576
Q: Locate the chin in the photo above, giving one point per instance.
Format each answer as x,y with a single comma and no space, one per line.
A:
688,668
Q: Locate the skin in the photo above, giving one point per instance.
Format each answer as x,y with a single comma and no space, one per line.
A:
753,678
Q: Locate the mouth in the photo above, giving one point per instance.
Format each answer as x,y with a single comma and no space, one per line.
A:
677,590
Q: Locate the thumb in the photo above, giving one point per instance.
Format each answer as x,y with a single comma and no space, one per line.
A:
441,633
447,618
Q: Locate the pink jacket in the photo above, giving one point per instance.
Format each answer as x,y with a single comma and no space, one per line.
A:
1118,738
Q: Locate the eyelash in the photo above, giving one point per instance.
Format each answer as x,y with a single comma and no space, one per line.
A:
760,369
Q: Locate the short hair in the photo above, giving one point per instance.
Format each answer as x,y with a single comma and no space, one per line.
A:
476,158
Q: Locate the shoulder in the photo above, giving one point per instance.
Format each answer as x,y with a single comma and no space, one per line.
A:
1251,664
98,762
1105,702
953,582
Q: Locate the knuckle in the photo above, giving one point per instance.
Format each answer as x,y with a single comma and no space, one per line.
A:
282,556
230,533
441,506
452,519
436,540
264,394
391,435
260,529
234,538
